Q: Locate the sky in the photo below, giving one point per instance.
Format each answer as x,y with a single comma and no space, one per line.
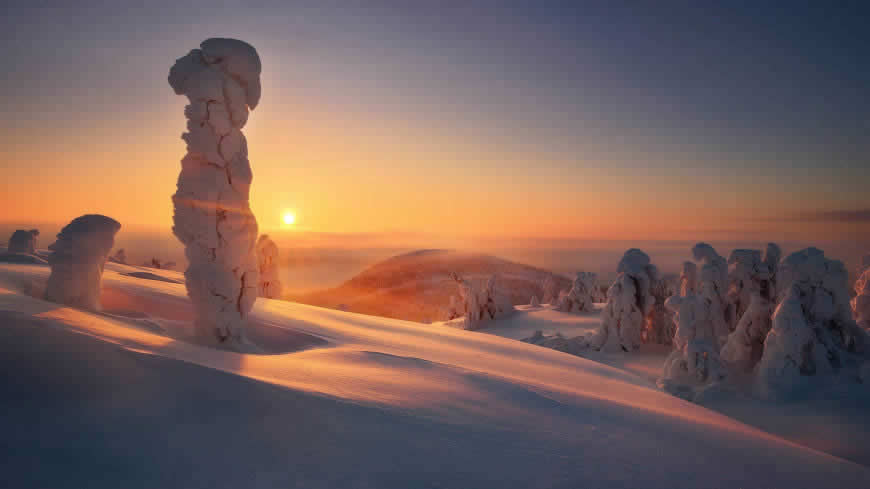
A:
481,121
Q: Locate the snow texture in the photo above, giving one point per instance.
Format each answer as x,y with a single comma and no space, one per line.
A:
482,303
629,301
77,259
23,241
813,333
861,302
581,296
270,278
213,218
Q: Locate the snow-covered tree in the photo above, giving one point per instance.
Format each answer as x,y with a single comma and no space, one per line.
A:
482,303
119,256
861,302
270,277
688,278
213,218
23,241
813,332
534,302
629,301
581,295
550,290
77,260
659,325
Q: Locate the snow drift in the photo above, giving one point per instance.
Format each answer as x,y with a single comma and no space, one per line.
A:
213,218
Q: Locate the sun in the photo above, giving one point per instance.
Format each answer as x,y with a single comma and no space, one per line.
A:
288,218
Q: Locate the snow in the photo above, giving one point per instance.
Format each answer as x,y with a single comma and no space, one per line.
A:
270,278
582,294
861,302
77,260
481,302
345,400
212,217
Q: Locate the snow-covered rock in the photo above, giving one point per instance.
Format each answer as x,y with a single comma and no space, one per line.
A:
629,301
581,296
77,259
213,218
813,333
482,303
23,241
270,278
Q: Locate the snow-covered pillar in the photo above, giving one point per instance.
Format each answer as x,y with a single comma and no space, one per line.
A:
813,332
270,277
629,301
213,218
77,259
23,241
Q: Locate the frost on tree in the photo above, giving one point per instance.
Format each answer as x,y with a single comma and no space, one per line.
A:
77,259
482,303
813,332
550,290
270,279
23,241
212,216
861,302
629,301
581,296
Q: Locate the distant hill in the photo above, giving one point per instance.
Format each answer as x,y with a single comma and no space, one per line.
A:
416,286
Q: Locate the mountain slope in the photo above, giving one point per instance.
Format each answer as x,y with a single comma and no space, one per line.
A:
417,286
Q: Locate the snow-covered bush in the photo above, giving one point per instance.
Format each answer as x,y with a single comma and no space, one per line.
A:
213,218
861,302
482,303
270,278
813,332
659,326
534,302
629,301
77,259
581,295
23,241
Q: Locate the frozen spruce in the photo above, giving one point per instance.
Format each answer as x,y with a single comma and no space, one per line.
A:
534,302
213,218
270,279
550,290
77,259
629,301
582,294
23,241
861,302
813,333
688,278
482,302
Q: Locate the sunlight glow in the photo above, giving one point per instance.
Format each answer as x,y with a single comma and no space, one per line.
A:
289,218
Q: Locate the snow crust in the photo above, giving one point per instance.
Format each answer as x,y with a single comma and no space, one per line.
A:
77,259
212,217
270,278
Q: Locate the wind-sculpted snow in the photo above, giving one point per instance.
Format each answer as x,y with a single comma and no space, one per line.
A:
813,333
212,217
389,404
861,302
270,279
77,259
629,302
23,241
582,294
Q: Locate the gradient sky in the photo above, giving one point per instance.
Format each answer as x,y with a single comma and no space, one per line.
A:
649,120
